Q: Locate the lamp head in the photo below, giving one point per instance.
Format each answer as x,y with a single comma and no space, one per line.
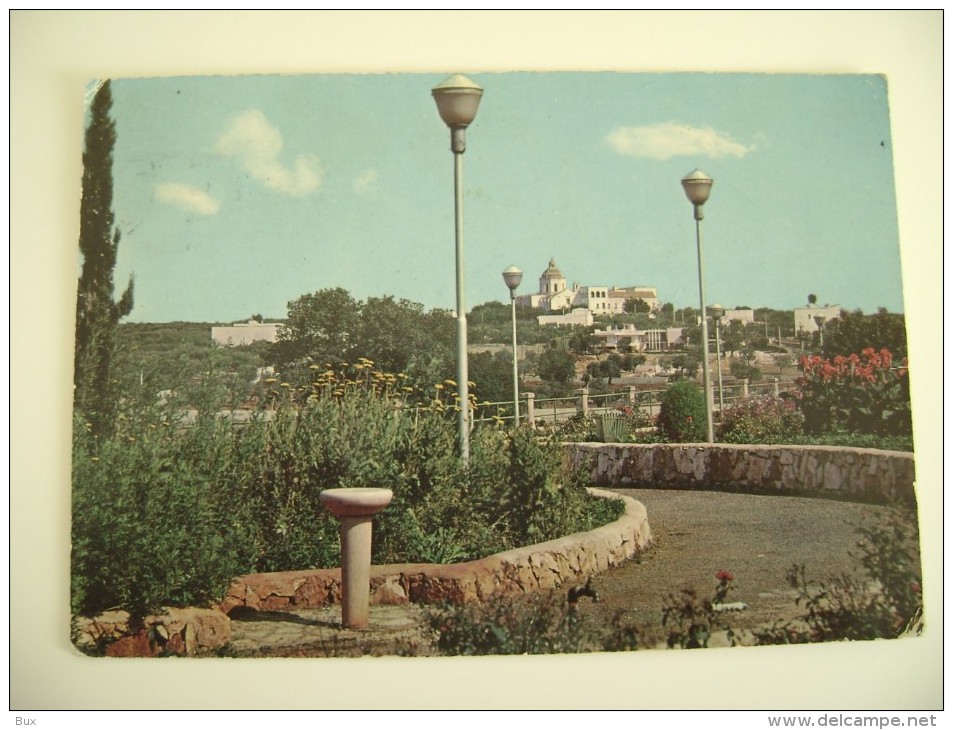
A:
457,101
717,311
512,276
697,186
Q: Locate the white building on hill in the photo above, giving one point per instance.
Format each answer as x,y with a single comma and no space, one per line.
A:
805,317
244,333
628,337
555,295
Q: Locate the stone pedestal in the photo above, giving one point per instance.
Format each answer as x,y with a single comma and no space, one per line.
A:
355,507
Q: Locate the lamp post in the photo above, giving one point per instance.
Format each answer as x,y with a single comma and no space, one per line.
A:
717,312
513,276
457,100
697,186
819,321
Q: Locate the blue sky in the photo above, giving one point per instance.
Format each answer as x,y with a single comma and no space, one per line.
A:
238,194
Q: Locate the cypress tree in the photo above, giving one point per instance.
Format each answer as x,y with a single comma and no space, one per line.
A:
96,397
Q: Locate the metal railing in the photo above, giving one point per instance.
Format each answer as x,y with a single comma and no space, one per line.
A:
542,411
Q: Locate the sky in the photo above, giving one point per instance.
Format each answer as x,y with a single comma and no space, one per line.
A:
238,194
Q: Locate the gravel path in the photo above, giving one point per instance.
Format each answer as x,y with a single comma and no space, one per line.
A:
695,534
756,538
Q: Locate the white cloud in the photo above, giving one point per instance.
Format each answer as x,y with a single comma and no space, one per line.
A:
257,144
187,197
662,141
366,183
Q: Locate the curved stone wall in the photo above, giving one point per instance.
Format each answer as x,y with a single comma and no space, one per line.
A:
869,475
523,570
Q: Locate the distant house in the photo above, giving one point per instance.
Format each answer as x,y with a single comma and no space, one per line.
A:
654,340
739,315
555,295
245,333
805,318
578,316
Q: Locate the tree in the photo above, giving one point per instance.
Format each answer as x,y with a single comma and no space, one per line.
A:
493,377
96,395
636,306
686,366
732,337
783,360
556,366
582,341
609,368
320,327
331,327
812,299
853,332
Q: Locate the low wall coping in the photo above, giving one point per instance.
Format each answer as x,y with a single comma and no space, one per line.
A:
542,566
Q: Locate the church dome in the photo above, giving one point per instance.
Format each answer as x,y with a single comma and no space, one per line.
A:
552,271
552,280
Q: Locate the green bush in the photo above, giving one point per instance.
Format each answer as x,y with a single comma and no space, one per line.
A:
764,420
543,624
165,515
745,370
682,417
152,526
862,393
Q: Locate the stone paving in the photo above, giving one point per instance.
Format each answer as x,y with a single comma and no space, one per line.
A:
319,632
696,533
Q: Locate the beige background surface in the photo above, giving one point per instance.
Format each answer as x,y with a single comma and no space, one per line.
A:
53,54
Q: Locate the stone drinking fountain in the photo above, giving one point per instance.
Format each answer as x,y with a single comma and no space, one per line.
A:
354,507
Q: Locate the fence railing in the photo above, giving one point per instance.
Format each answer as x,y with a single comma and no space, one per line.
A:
540,411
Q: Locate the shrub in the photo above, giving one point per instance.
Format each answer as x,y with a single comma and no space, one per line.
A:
881,601
543,624
164,515
861,393
741,369
150,527
764,420
691,619
682,415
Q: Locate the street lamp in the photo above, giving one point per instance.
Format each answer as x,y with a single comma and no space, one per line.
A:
819,321
717,312
457,100
513,276
697,186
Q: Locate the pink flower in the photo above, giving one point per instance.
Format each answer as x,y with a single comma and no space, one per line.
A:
724,575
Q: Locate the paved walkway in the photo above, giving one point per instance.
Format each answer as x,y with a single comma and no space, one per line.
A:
696,534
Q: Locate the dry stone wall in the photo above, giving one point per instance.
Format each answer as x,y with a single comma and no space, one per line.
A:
869,475
174,631
523,570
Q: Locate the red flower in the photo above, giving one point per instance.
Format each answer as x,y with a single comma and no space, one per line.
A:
724,575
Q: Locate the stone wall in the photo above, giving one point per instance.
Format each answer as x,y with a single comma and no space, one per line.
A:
869,475
174,631
523,570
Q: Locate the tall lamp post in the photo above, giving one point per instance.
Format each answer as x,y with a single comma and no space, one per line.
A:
457,101
697,186
717,312
819,321
513,276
